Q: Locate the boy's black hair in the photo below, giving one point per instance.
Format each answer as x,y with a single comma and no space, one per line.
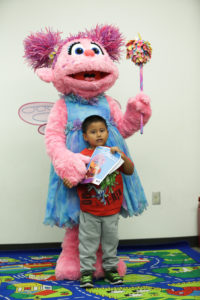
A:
91,119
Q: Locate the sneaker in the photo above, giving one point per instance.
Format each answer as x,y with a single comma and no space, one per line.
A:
86,280
113,277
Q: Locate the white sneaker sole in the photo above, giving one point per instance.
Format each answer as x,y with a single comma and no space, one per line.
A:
87,285
114,283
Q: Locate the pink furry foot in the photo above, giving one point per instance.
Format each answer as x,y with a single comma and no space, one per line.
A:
67,268
68,263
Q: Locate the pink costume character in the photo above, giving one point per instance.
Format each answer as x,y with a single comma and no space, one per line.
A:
82,68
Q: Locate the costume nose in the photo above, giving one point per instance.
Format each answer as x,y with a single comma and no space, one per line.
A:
89,52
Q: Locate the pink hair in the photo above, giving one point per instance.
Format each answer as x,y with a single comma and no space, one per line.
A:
40,45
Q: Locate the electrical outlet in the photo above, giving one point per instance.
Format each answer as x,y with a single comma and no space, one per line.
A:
156,198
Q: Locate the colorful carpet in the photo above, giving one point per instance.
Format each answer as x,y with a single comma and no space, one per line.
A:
166,272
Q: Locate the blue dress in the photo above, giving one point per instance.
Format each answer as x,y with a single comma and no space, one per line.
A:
63,205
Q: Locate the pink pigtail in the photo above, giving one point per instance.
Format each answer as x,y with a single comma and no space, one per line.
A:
41,48
110,38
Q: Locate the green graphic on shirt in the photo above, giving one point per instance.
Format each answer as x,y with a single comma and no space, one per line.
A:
105,188
109,182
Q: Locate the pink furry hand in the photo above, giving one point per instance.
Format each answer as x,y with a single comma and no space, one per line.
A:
140,105
75,168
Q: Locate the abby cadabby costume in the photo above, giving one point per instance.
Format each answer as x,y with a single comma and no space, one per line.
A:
63,204
82,69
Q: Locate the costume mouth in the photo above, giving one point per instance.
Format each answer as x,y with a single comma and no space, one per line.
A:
89,76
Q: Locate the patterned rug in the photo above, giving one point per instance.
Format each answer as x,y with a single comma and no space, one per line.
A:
165,272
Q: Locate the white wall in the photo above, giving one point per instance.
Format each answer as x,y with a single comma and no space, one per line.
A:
166,156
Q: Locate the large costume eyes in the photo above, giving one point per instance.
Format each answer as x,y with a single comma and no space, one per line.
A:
76,49
96,48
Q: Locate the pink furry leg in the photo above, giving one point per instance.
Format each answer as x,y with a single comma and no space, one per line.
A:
121,268
68,263
99,273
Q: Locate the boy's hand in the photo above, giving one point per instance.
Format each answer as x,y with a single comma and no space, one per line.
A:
116,149
128,166
67,183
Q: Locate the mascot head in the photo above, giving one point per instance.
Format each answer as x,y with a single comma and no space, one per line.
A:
82,64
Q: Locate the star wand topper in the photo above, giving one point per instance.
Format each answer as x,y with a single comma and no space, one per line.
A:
139,51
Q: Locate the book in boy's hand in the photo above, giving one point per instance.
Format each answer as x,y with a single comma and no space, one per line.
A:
102,163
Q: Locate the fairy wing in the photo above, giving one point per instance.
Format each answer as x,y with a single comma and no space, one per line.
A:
36,113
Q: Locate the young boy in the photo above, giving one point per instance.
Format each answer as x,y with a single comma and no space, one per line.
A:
100,207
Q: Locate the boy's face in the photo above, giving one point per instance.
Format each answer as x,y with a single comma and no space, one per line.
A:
96,134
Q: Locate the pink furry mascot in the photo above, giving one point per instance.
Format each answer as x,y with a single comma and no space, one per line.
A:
82,69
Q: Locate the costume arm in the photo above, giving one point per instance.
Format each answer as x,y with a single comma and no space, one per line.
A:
129,122
66,163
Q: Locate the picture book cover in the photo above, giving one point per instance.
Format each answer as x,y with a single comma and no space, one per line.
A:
102,163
